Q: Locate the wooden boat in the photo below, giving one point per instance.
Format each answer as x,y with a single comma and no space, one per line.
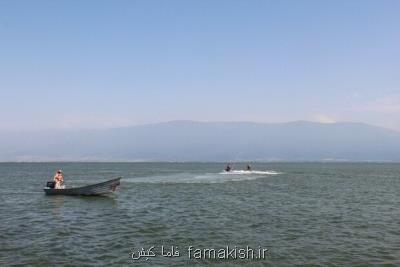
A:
88,190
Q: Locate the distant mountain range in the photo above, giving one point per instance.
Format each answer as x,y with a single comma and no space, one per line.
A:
207,141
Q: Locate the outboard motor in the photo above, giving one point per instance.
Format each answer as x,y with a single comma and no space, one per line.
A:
51,184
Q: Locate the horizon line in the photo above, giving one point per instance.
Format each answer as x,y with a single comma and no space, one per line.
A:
194,121
205,162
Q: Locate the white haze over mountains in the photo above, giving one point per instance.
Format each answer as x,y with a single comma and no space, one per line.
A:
208,141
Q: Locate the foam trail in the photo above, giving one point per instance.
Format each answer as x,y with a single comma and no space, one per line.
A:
221,177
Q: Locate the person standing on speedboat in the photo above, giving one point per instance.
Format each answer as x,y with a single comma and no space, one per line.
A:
228,167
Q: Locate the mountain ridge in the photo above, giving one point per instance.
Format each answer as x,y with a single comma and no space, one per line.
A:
208,141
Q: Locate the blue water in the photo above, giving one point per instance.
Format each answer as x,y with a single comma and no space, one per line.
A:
305,214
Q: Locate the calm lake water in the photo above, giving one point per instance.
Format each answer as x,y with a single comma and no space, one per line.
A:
303,213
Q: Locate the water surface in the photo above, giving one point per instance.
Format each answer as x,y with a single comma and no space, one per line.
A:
304,213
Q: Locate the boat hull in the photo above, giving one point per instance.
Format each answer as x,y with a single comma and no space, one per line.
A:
106,187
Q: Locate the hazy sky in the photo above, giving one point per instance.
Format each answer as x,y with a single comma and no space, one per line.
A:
95,64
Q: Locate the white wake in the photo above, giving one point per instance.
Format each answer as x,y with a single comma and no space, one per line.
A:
221,177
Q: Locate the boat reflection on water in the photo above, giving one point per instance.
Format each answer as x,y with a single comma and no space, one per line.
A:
60,205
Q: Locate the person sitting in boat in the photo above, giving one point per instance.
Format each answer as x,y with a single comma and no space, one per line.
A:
58,179
228,168
248,167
